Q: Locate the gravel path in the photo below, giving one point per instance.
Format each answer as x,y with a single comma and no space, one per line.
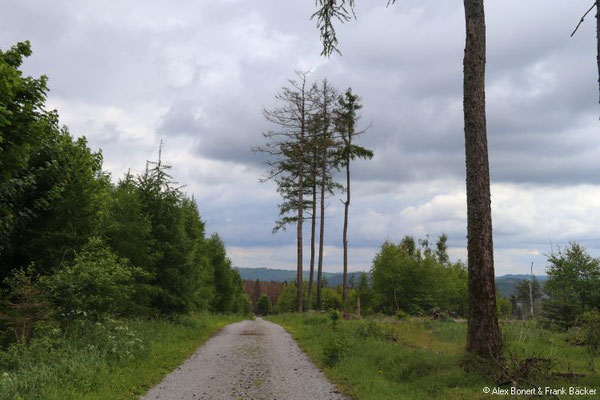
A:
247,360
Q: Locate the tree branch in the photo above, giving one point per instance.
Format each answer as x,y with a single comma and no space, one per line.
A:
582,18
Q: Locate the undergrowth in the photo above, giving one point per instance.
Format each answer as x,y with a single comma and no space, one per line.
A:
418,358
113,359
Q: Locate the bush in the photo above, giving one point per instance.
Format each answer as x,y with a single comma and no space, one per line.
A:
334,349
22,306
99,284
331,299
263,306
401,314
334,317
590,322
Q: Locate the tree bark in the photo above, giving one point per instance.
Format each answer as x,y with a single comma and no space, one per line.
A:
299,286
483,332
321,234
312,231
345,235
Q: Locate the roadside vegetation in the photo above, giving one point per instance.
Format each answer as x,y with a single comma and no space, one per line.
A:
109,360
419,358
403,335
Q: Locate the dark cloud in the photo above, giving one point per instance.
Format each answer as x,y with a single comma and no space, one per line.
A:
198,74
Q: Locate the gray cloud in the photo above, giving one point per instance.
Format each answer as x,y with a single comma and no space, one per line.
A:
197,74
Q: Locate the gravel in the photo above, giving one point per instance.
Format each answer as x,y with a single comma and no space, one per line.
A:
247,360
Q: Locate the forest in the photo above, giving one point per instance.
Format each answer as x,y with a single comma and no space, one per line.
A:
83,257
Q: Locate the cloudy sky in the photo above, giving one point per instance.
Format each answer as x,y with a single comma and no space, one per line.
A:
196,75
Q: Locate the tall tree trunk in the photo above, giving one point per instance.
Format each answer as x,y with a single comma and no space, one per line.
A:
299,286
598,41
321,234
483,332
312,230
345,235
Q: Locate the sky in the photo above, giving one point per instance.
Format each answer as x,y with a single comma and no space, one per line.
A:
197,74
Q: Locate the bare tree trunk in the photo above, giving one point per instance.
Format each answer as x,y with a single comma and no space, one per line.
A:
321,235
483,332
345,235
531,293
312,231
598,40
299,286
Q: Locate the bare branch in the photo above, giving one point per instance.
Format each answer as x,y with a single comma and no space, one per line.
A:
582,18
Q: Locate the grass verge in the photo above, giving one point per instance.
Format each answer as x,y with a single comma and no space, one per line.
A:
425,359
113,360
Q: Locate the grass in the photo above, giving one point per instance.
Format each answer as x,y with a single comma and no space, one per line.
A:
117,360
425,359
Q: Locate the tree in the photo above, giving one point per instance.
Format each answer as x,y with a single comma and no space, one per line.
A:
263,305
483,332
289,156
527,294
127,227
346,118
363,293
441,251
256,293
573,284
413,280
324,147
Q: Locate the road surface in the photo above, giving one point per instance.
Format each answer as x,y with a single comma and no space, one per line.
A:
247,360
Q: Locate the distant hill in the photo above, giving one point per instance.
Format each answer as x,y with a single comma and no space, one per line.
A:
505,284
287,275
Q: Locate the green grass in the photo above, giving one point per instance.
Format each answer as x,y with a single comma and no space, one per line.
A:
119,362
424,359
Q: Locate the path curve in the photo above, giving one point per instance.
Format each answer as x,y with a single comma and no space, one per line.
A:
247,360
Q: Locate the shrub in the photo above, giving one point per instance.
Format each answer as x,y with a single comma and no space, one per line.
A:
334,317
590,322
331,299
401,314
99,284
23,305
334,349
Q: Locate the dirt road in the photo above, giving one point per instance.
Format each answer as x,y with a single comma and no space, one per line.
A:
247,360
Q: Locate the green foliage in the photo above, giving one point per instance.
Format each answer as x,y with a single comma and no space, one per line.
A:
334,349
52,188
286,302
98,284
109,360
590,321
331,298
401,314
521,301
503,306
127,227
364,293
410,278
23,305
263,306
573,285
